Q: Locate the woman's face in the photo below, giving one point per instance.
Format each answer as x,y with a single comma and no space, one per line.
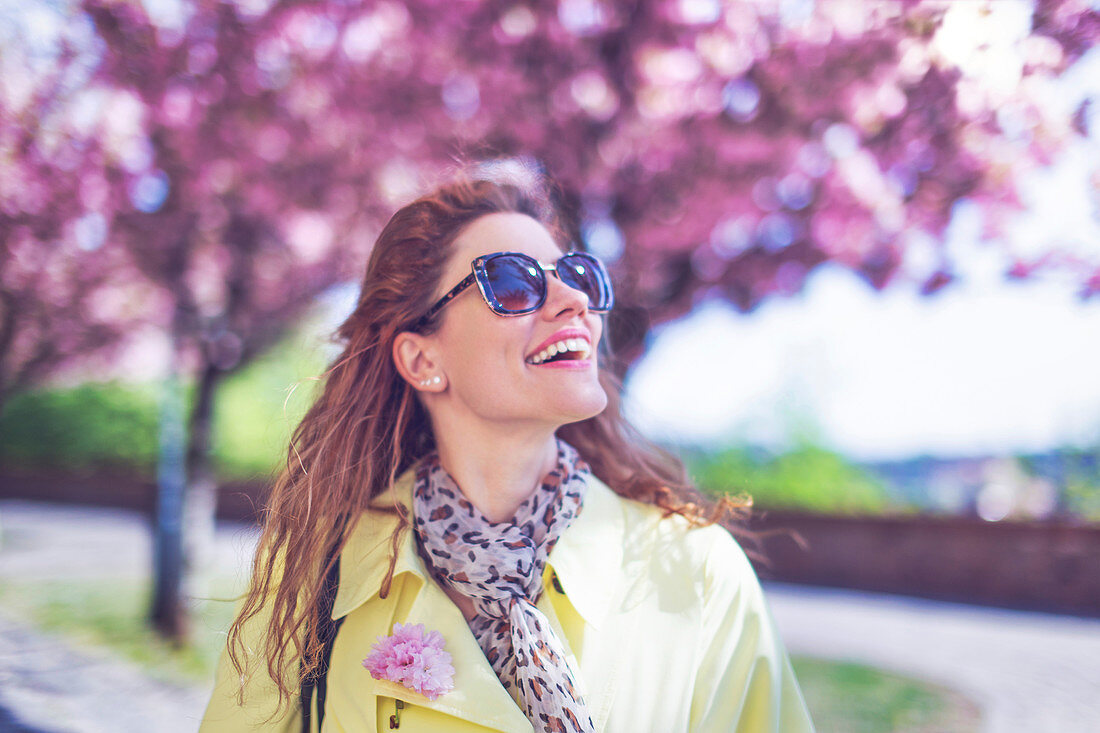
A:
487,358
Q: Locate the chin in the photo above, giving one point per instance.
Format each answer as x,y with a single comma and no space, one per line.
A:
583,409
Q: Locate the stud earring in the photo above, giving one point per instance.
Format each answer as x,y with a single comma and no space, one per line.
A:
434,380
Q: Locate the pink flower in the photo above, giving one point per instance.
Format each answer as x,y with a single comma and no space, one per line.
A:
413,659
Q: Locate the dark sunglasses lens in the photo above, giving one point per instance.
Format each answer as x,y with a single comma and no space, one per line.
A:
587,274
516,282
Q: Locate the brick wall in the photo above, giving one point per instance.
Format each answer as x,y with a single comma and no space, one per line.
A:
1047,566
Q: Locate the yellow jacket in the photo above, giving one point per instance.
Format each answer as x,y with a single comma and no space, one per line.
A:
666,625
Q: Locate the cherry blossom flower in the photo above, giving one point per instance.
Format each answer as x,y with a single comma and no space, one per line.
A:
414,659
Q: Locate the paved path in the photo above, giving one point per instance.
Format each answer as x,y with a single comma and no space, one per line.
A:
1031,673
52,686
47,686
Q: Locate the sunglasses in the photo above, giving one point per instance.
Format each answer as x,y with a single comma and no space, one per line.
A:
512,283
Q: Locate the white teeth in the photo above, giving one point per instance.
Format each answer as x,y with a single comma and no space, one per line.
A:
578,345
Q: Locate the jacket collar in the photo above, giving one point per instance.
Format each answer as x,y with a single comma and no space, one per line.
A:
588,554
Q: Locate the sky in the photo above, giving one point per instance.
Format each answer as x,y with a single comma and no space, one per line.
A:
976,369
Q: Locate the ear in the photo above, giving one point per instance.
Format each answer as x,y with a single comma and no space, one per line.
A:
415,359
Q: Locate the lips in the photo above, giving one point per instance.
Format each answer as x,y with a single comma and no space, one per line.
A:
570,344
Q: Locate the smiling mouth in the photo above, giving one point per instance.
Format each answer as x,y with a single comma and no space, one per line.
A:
565,350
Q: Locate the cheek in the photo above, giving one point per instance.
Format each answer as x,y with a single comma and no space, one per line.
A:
596,326
485,352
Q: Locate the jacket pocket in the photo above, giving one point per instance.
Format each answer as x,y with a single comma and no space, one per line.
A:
395,714
390,712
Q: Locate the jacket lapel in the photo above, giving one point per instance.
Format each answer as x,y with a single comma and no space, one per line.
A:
588,560
478,695
588,557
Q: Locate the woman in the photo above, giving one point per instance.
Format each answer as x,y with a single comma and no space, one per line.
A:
468,536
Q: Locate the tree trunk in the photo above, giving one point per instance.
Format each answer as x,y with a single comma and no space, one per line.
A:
186,499
168,614
202,488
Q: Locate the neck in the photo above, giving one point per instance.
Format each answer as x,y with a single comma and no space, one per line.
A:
497,468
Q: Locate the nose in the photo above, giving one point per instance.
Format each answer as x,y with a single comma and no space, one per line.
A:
561,298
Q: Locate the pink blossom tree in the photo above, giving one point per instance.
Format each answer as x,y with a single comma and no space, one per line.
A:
235,209
250,150
66,295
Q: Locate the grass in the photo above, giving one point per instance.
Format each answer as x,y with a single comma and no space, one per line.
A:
112,615
842,697
851,698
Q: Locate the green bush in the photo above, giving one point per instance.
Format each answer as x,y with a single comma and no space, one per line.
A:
805,477
257,409
1076,471
115,425
1083,497
91,426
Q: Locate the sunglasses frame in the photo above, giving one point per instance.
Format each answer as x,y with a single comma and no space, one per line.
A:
479,275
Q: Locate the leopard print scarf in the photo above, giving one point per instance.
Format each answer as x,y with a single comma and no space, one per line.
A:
499,567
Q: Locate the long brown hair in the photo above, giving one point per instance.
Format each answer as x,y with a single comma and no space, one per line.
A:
367,426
